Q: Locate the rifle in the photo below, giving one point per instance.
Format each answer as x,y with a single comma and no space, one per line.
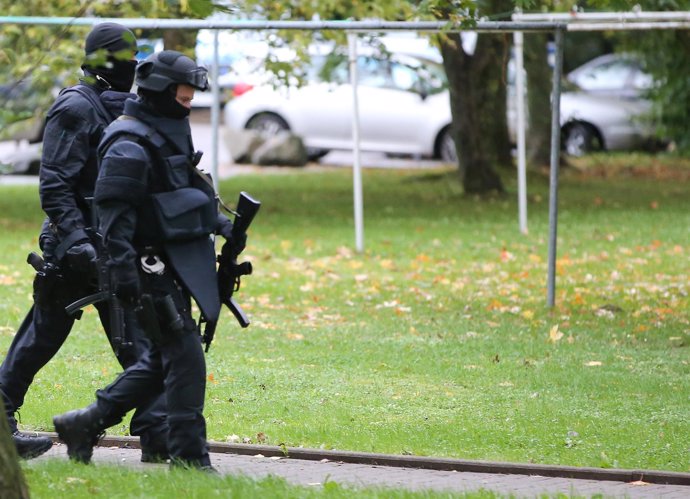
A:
106,292
229,271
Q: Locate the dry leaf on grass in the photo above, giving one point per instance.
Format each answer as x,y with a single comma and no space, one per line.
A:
555,334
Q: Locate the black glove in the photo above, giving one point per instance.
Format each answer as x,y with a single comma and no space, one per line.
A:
82,257
126,284
236,244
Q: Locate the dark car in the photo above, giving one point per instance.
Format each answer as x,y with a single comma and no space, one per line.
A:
22,108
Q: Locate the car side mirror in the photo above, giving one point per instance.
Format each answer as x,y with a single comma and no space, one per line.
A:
422,90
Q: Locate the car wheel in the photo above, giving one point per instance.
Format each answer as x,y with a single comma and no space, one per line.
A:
267,123
580,139
445,147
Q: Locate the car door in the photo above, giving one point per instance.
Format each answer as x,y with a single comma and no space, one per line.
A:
394,110
395,113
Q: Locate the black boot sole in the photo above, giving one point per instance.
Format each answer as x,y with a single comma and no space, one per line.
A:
79,442
30,447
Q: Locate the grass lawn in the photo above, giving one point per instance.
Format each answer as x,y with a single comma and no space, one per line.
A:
437,339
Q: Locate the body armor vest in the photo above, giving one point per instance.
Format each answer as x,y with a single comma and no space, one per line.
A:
178,213
181,203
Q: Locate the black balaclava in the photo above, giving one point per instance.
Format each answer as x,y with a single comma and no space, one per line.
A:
165,102
120,44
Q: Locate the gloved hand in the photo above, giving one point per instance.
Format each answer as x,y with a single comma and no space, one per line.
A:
126,284
82,257
238,243
235,244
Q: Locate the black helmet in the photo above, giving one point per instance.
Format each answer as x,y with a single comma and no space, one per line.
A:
162,69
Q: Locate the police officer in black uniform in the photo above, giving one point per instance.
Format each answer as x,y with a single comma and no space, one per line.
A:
74,126
156,213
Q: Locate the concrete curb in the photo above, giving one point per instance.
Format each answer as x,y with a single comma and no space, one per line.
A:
429,463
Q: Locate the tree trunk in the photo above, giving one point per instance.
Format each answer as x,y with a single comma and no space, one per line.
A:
12,482
478,109
539,83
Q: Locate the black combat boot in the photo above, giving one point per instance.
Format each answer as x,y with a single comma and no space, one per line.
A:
154,446
81,430
28,445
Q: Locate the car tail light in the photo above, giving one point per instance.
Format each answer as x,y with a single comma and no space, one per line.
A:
241,88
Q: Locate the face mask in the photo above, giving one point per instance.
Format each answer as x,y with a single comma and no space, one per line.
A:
178,111
120,76
165,104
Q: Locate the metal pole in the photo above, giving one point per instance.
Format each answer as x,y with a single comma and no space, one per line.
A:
521,149
487,26
356,165
215,111
555,158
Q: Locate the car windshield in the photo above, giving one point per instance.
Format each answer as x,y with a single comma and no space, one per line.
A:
613,75
410,74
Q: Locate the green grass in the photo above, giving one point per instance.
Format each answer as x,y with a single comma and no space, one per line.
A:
119,482
437,339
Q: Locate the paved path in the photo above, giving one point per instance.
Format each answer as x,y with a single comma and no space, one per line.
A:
316,473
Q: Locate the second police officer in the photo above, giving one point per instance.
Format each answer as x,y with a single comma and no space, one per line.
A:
156,214
73,129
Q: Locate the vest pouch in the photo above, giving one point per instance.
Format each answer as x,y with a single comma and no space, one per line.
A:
183,214
178,168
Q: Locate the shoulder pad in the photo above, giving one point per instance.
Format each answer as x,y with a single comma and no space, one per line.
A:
126,125
123,173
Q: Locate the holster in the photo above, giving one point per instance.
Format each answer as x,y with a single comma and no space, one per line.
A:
46,281
158,316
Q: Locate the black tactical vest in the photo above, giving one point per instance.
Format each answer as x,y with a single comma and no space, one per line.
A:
181,203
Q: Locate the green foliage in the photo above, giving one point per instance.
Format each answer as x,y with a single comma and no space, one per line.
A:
667,59
50,56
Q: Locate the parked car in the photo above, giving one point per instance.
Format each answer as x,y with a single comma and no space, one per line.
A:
23,106
21,103
403,106
605,107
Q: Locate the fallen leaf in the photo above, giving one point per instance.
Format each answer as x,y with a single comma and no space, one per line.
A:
7,280
534,258
555,334
506,255
387,264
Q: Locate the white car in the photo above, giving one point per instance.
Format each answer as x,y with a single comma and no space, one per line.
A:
607,109
403,107
603,106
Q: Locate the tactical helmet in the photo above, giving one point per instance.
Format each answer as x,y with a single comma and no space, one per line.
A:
162,69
